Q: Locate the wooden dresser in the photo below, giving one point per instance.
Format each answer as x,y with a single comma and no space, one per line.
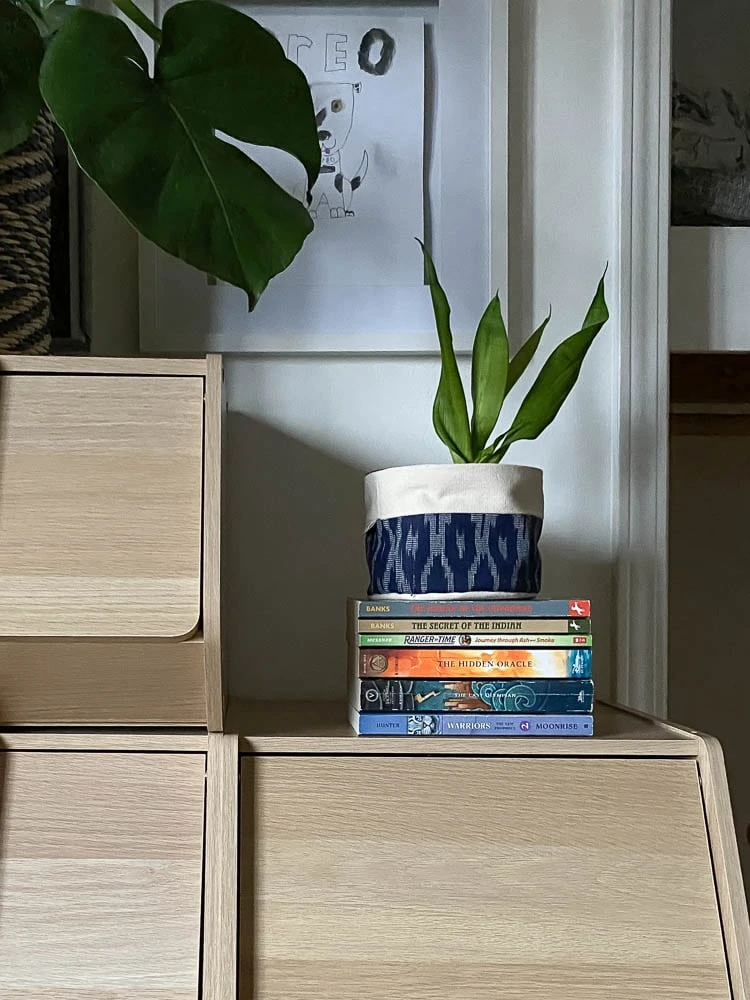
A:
153,847
110,511
399,868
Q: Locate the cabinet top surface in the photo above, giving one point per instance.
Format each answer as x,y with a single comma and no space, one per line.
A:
60,365
322,727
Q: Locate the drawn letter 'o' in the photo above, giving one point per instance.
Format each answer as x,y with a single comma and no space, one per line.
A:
370,38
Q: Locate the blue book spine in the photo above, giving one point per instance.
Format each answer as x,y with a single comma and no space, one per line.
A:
533,696
477,608
470,724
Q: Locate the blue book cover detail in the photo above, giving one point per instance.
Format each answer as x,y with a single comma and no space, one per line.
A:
470,724
380,694
384,607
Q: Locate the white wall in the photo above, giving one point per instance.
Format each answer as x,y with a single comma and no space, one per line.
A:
303,430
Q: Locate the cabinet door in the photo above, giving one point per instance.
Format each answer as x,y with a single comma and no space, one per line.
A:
100,875
392,878
100,505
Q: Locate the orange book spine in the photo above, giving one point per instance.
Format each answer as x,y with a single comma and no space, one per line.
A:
452,662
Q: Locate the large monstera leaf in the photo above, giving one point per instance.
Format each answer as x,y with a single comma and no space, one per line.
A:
150,143
21,53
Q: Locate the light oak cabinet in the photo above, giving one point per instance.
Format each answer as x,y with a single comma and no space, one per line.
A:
288,859
110,510
153,849
372,877
394,869
101,869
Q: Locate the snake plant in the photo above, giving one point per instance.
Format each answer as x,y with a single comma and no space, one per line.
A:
494,372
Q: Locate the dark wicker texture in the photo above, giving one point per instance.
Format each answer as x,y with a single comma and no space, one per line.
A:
25,228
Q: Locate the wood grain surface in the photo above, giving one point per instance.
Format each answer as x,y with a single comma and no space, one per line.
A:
221,890
397,878
323,727
729,883
139,365
216,687
107,740
100,876
100,683
100,505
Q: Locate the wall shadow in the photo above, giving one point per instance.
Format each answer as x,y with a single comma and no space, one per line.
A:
576,571
294,553
692,277
522,86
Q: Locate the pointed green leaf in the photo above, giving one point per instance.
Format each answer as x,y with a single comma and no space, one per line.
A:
21,52
450,417
489,374
522,358
556,379
151,147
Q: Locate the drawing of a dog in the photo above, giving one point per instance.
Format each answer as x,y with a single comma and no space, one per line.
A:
334,115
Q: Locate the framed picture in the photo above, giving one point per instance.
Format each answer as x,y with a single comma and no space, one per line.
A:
422,148
710,177
710,114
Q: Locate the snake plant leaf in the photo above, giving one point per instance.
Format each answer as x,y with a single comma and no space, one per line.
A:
21,51
450,417
523,356
153,151
556,379
226,68
489,374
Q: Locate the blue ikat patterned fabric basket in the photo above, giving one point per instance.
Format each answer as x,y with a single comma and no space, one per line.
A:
455,553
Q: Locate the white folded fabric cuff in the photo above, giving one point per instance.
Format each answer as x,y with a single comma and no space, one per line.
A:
452,489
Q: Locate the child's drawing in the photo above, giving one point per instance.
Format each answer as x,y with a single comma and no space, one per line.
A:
366,74
333,192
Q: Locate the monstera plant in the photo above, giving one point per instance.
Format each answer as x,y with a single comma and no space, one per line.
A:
150,138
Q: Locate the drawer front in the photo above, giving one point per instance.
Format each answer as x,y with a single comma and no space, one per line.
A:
473,878
102,682
100,875
100,505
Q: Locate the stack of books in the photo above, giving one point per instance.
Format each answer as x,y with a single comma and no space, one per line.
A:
470,668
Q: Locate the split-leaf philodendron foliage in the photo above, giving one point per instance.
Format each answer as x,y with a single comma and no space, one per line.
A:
494,373
148,138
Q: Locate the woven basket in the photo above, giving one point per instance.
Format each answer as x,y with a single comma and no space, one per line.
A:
25,230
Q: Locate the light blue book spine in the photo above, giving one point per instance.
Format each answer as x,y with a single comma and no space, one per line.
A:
470,724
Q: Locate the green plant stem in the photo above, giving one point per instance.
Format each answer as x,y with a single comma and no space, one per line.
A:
136,15
32,7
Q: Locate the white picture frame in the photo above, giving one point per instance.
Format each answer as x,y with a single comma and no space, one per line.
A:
466,218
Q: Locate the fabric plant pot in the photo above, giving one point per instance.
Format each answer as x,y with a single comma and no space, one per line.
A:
25,236
451,531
